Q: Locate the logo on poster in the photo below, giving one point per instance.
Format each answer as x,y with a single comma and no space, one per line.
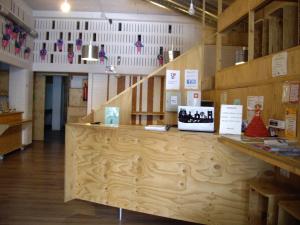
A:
191,81
173,76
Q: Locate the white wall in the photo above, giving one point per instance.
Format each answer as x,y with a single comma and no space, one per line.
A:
21,10
21,97
97,93
154,29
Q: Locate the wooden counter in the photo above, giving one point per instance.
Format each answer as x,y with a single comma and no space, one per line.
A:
10,132
182,175
291,164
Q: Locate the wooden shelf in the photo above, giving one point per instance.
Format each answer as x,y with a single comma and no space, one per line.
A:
16,123
291,207
271,189
291,164
148,113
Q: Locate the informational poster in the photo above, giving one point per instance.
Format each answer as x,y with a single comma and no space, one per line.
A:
252,101
290,92
291,123
193,98
279,64
173,80
112,115
231,119
191,79
237,101
174,100
294,93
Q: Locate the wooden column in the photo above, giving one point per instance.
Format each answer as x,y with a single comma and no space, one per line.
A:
265,37
298,22
219,41
289,27
251,35
203,42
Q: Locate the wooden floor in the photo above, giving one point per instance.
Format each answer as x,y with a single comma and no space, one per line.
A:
31,192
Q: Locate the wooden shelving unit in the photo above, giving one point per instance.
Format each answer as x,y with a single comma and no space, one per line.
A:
290,164
289,213
272,26
10,132
263,202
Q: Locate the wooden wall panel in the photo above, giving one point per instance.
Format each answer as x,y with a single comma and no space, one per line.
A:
258,71
76,98
75,113
113,82
4,82
39,107
185,61
121,84
157,93
273,107
167,174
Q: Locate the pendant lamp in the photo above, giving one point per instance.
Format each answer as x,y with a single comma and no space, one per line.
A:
90,52
65,7
192,9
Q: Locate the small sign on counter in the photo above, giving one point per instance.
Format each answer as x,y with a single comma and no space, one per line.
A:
231,119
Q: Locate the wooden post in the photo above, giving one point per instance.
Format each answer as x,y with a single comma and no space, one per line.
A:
251,35
298,22
219,41
265,37
203,43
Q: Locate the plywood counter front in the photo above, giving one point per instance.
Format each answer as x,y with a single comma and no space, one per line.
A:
182,175
10,132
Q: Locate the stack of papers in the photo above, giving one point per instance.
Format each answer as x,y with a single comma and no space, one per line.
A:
157,127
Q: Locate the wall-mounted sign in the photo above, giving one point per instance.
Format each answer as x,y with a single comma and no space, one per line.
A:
291,123
173,80
173,100
191,79
279,64
193,98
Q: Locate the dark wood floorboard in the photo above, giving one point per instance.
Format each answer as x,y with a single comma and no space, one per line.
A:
31,192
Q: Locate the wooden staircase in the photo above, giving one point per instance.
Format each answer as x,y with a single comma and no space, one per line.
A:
126,100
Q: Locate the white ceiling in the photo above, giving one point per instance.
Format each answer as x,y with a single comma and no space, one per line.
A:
114,6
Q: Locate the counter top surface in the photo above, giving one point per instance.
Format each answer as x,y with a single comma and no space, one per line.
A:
10,113
137,127
291,164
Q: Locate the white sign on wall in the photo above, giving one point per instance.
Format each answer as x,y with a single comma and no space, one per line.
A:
279,64
173,80
193,98
191,79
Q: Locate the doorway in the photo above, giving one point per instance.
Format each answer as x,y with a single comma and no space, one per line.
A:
55,107
50,106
